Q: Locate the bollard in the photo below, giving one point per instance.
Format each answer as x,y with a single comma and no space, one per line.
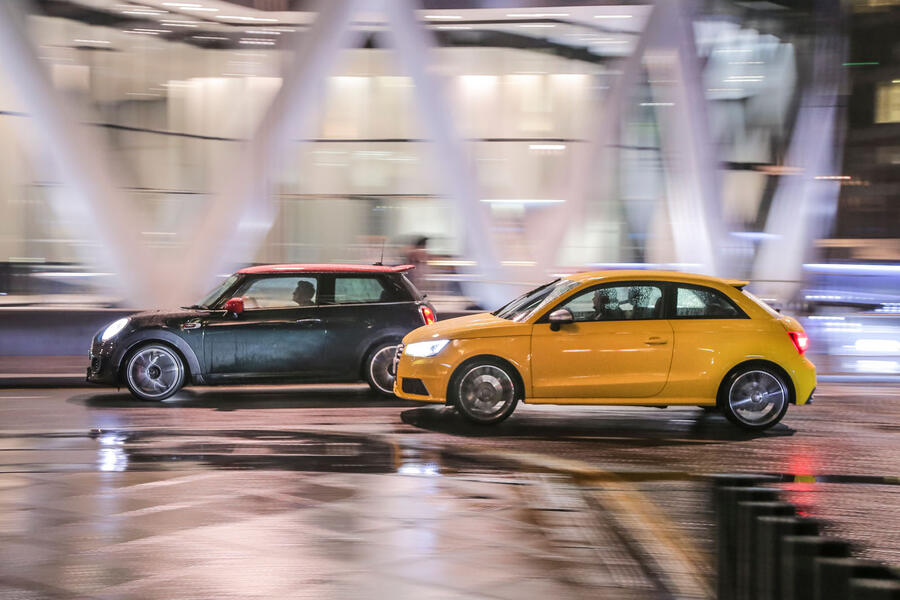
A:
833,575
768,550
727,498
874,589
723,480
747,540
798,555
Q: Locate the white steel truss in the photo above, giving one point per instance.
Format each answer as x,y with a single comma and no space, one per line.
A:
243,209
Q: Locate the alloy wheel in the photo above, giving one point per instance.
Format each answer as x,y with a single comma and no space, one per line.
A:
757,397
486,391
155,372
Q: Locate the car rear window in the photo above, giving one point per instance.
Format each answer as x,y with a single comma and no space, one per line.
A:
704,303
350,289
411,291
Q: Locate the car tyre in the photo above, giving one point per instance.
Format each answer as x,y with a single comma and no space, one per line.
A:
154,372
754,397
378,368
485,391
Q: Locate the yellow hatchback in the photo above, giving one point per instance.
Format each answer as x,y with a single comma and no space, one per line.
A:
641,338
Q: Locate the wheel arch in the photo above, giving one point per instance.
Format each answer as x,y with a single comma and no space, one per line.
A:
759,362
514,370
193,373
388,338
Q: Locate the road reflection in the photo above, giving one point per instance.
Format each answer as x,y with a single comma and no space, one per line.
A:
618,428
269,397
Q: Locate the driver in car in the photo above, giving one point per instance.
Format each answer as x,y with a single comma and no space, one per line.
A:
303,293
604,307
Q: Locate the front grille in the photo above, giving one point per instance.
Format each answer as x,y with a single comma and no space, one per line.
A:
95,364
396,360
411,385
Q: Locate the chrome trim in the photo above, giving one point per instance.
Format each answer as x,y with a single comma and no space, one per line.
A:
396,362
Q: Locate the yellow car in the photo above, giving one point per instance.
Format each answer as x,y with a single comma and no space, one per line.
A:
642,338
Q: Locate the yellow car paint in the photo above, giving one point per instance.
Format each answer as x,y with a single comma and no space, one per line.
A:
652,362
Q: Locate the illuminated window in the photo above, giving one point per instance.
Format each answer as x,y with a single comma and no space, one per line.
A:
887,103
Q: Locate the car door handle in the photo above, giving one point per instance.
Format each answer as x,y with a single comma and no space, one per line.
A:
307,322
656,341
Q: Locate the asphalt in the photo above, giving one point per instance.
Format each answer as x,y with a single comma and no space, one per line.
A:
330,492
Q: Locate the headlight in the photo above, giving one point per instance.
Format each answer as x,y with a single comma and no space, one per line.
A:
114,328
424,349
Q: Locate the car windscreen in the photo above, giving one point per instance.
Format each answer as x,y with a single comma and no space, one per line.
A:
527,304
214,295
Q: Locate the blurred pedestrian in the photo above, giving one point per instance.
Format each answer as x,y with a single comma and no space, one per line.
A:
417,255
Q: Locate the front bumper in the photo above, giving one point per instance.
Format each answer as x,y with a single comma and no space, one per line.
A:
421,379
101,365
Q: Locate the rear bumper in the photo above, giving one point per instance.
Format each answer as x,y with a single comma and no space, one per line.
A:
804,376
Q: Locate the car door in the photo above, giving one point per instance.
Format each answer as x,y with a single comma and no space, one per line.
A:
619,346
359,310
706,325
280,334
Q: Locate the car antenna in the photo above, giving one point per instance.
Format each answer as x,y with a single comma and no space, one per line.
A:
381,260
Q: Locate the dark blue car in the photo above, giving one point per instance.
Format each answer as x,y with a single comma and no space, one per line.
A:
268,324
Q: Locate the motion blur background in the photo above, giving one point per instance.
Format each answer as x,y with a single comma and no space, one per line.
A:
149,147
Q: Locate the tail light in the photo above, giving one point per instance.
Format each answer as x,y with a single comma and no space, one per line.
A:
800,339
428,315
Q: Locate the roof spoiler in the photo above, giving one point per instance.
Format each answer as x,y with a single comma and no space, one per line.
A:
737,283
401,268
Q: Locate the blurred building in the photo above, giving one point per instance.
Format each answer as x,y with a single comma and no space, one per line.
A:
537,140
869,214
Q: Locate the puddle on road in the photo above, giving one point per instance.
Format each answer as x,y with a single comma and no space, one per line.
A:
117,450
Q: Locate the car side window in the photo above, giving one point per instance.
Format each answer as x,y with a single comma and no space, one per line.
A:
361,290
704,303
617,303
279,292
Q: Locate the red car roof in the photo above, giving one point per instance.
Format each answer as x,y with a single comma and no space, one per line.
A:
325,268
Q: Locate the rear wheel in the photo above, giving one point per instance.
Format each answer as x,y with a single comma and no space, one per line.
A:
485,391
754,397
379,369
154,372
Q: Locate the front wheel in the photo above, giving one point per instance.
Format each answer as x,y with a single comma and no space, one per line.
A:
754,397
154,372
485,391
379,369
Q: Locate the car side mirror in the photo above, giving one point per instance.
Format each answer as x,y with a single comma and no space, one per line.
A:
234,306
560,317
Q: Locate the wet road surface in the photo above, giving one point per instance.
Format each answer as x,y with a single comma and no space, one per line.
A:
330,492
